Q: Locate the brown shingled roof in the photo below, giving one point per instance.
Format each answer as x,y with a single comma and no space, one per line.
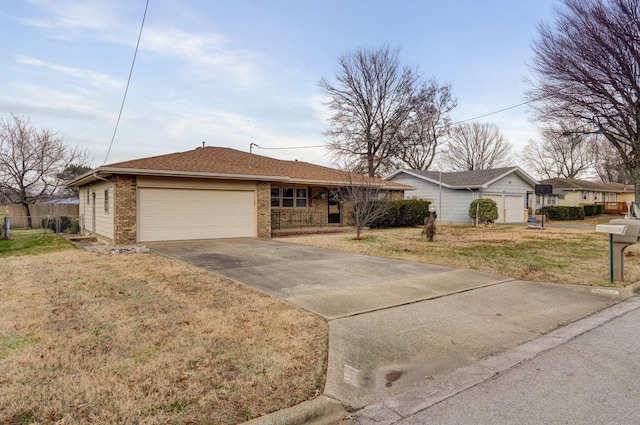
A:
559,183
226,161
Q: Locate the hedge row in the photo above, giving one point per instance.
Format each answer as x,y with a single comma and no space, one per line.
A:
565,213
590,210
404,213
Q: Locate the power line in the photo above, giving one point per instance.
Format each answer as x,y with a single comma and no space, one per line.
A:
293,147
126,90
494,112
455,123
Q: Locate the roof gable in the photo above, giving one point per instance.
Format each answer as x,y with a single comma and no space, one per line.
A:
466,179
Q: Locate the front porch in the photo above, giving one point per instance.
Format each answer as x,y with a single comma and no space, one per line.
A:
293,222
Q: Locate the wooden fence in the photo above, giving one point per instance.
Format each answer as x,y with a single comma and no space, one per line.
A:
19,219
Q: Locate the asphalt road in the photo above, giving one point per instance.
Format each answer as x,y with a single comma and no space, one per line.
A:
591,378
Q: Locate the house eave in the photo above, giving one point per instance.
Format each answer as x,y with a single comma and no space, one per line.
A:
411,173
106,172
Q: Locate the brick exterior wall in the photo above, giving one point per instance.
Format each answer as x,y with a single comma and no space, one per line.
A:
264,209
125,210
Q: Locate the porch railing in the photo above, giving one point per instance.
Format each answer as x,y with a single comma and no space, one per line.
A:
615,207
283,219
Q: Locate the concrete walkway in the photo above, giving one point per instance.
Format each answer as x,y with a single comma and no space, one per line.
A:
394,324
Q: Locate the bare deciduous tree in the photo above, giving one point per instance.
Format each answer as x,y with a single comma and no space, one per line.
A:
426,125
379,108
587,69
476,146
566,151
32,161
610,167
360,199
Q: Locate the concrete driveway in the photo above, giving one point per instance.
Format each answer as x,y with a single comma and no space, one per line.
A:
394,323
330,283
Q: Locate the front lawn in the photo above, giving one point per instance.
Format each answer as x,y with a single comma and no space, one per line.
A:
140,338
576,256
31,242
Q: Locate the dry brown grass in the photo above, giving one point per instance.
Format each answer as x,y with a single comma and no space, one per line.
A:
139,338
575,256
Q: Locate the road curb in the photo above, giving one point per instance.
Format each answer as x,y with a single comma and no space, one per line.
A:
626,292
393,409
322,410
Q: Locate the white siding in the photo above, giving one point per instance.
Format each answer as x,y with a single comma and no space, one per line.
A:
454,205
452,208
94,207
509,185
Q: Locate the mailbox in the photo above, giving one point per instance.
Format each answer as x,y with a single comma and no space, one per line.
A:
631,233
622,233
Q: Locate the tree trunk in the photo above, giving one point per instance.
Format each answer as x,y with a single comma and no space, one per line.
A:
29,222
635,174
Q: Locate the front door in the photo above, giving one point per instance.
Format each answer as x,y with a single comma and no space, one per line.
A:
334,208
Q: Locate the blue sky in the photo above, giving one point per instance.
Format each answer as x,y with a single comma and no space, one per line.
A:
240,71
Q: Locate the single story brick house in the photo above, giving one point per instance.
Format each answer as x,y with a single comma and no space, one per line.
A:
213,192
452,192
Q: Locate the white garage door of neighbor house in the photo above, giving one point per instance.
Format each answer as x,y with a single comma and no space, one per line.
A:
510,208
182,214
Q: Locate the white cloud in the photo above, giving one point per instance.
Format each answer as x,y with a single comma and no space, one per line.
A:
226,129
203,50
72,15
96,79
118,22
59,103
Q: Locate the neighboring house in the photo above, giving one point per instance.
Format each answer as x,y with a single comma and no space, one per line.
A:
574,193
213,192
452,192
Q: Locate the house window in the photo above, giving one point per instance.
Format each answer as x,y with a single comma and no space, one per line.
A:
88,195
595,196
585,195
379,195
289,197
106,201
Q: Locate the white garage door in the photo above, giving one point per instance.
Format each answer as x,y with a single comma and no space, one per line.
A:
510,208
514,209
179,214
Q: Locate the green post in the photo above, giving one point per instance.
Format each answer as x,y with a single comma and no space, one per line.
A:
611,257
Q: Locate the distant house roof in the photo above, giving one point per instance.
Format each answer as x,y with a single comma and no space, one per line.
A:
476,179
227,163
563,184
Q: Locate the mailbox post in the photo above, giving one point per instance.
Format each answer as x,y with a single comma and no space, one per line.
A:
622,233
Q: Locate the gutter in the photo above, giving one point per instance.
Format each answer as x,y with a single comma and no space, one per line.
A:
223,176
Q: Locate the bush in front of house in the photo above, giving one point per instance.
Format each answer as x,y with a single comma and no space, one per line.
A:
565,213
483,210
591,210
403,213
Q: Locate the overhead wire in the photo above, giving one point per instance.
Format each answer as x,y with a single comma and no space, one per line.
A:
126,90
494,112
455,123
